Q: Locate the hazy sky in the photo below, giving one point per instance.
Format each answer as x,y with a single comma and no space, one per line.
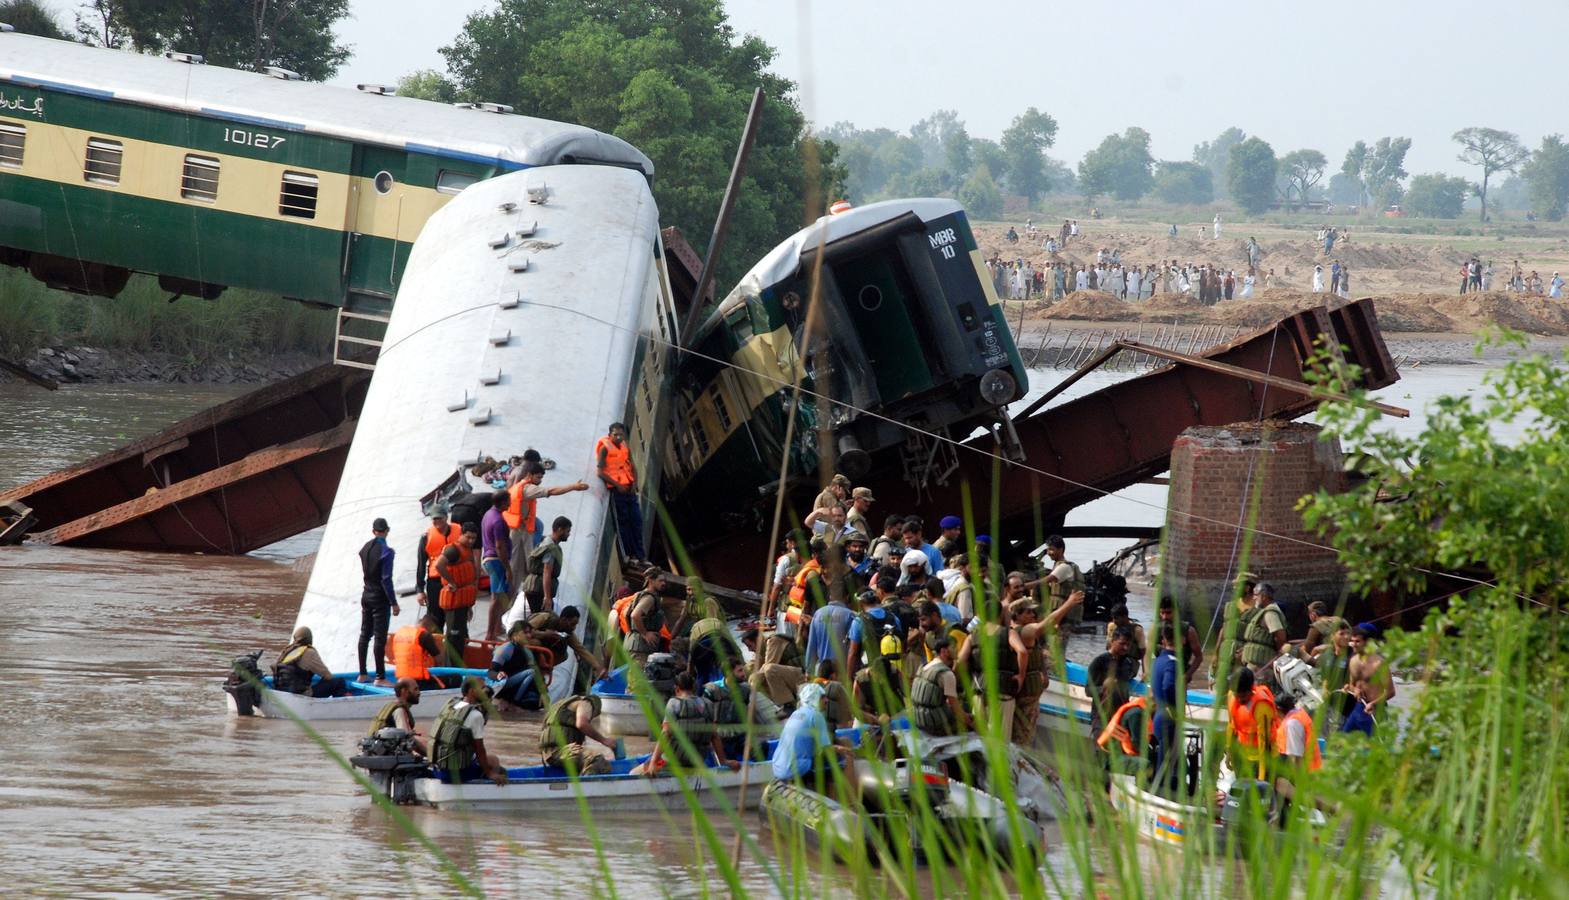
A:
1305,74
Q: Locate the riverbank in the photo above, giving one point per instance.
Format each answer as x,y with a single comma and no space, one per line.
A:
98,365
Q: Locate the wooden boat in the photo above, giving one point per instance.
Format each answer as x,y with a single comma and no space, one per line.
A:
362,701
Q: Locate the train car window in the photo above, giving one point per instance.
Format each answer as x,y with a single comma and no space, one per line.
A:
740,322
102,165
13,141
720,408
699,438
199,179
384,182
298,195
450,182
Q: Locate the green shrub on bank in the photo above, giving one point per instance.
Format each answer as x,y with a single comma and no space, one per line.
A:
239,323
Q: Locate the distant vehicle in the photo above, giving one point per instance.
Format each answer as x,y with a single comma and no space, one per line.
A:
1394,212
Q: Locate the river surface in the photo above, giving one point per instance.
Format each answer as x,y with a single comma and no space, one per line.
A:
125,776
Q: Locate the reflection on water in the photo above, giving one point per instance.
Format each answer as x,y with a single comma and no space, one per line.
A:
125,775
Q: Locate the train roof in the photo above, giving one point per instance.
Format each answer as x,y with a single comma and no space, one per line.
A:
421,126
783,261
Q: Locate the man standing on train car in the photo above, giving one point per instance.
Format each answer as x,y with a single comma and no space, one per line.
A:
378,601
613,461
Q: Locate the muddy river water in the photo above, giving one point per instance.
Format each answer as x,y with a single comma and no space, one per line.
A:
123,774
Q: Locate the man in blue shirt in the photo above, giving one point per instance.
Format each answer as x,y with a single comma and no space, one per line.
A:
805,744
1163,682
915,540
830,633
871,608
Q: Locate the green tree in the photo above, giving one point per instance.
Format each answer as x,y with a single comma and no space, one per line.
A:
1351,169
1184,182
1302,170
1251,175
31,17
427,84
1121,166
1216,155
1547,175
1436,196
957,160
988,153
1024,146
1384,168
674,79
1493,150
1479,753
292,34
979,195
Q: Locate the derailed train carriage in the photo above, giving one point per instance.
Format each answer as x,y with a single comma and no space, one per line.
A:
907,342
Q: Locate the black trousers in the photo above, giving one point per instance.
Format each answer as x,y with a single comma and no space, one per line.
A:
433,603
458,631
374,618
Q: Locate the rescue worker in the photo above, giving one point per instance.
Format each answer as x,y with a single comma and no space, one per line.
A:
398,713
950,540
961,592
1164,687
808,591
838,706
616,470
514,664
711,649
1127,737
996,672
1034,632
544,568
861,501
883,544
459,592
564,734
1369,681
1109,678
1063,579
1250,723
1119,618
457,746
867,625
646,618
837,493
1192,645
731,700
880,684
1296,748
522,508
935,707
808,753
915,539
1263,630
930,619
687,734
299,663
495,559
378,600
785,568
558,633
1334,673
414,650
1321,630
441,534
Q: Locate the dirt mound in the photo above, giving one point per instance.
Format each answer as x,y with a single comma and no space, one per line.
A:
1091,306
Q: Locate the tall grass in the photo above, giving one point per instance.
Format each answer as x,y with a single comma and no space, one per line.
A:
239,324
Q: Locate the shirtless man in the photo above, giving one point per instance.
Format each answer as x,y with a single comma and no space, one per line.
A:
1368,677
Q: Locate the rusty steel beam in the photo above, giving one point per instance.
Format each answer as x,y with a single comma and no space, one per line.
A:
295,408
1120,435
268,495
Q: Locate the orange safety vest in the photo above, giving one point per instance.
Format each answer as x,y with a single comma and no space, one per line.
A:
1315,760
463,589
409,659
435,542
1244,719
618,460
797,607
622,611
520,510
1114,731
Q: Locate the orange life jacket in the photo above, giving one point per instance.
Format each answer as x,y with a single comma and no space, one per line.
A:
797,608
1314,759
618,460
519,510
1114,730
621,612
435,542
460,588
409,659
1244,718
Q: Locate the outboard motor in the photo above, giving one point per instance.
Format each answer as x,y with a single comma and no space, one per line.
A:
1295,677
1103,591
1248,808
390,763
660,670
244,682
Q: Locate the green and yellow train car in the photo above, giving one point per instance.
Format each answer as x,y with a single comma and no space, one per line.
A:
908,349
113,162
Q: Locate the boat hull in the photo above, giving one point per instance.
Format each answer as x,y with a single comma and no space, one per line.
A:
711,790
362,702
